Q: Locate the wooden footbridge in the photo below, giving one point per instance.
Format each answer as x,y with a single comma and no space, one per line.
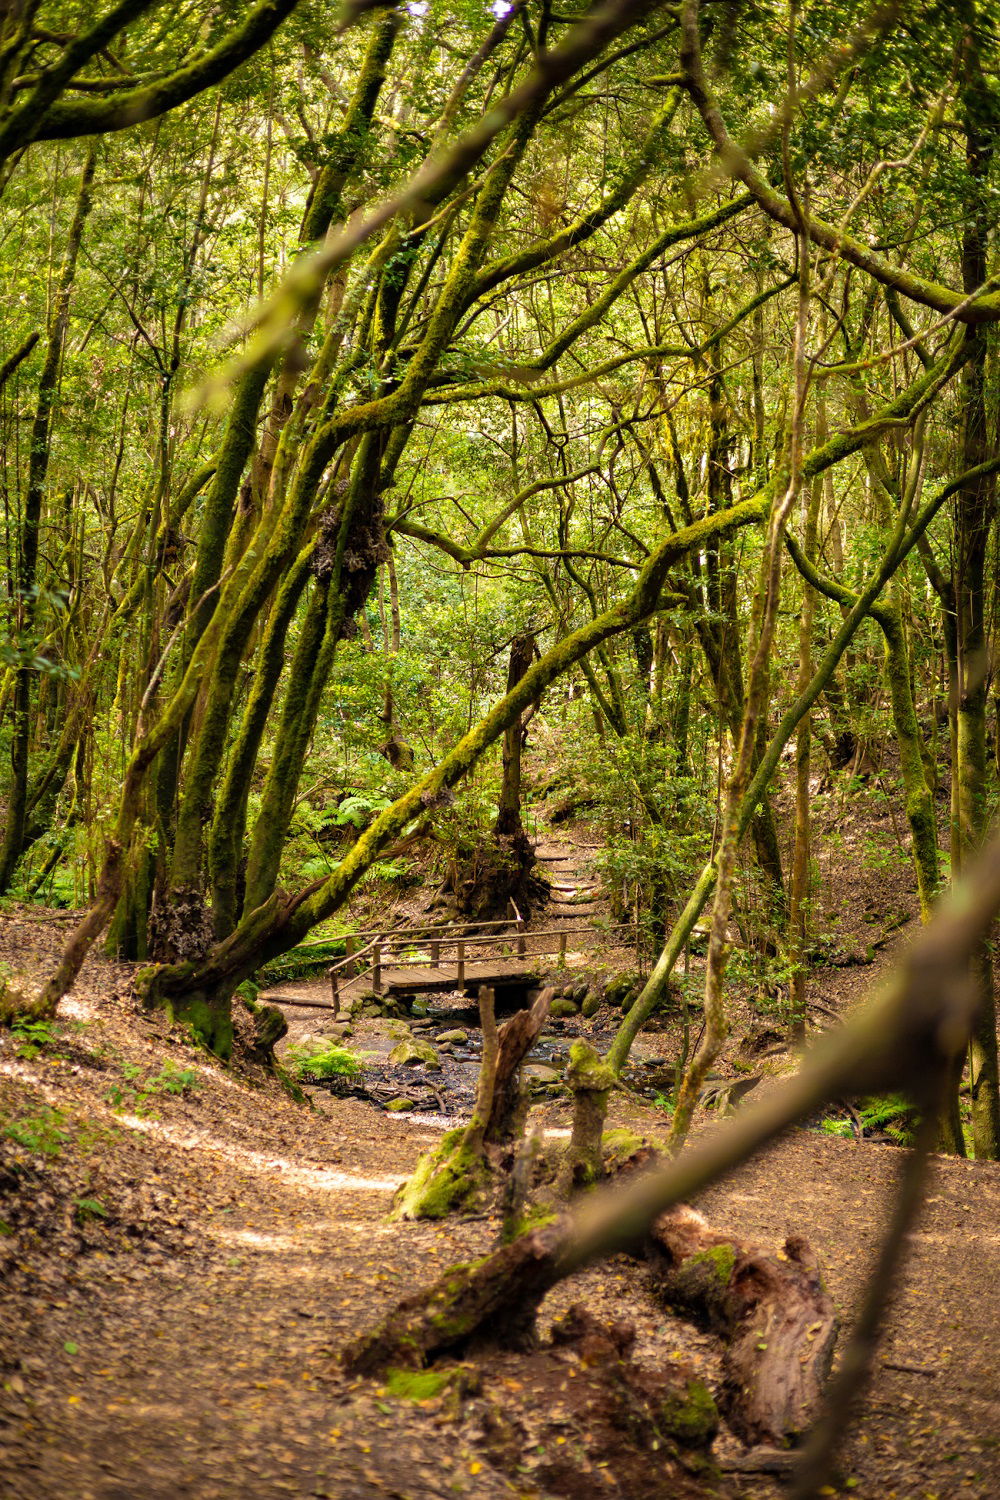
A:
441,957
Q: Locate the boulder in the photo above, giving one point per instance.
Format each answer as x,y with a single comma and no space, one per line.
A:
564,1007
591,1004
538,1074
458,1037
414,1053
398,1106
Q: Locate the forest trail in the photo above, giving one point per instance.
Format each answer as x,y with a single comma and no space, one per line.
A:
201,1363
186,1346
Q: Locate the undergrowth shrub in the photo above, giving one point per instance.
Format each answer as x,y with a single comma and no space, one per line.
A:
322,1060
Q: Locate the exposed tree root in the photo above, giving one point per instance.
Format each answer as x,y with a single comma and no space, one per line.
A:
500,869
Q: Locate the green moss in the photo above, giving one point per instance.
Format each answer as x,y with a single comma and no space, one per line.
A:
443,1180
690,1416
417,1385
720,1258
588,1070
211,1025
618,1145
533,1218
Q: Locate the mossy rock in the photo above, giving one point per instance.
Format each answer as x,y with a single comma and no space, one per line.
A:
400,1106
622,989
591,1004
377,1006
690,1416
458,1036
564,1008
415,1053
629,998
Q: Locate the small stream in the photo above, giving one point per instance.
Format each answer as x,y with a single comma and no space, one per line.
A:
447,1094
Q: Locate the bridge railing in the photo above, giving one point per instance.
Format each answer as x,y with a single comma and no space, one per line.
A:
424,946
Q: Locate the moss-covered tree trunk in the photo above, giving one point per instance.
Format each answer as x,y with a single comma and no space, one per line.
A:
31,523
975,516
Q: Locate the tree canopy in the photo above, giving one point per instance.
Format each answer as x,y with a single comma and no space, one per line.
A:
341,354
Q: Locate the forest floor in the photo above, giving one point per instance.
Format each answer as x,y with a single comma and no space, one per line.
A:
184,1250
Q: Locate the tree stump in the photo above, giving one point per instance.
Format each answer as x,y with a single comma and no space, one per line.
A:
457,1170
591,1080
515,1039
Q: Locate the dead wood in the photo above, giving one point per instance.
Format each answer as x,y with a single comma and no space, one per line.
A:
772,1311
491,1301
777,1321
515,1038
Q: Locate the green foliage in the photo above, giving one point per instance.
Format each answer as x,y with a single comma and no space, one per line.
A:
45,1132
143,1087
358,811
33,1036
891,1113
323,1060
309,958
88,1209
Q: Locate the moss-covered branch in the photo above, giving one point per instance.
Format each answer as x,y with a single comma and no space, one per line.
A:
61,119
980,307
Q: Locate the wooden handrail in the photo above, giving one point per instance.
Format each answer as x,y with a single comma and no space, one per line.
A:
386,946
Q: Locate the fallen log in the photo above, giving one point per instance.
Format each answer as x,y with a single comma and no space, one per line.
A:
777,1321
492,1301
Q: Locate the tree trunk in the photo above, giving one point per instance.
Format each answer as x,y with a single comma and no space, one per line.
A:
508,823
27,573
976,511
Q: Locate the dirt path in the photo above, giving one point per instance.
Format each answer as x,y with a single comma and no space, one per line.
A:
184,1344
208,1370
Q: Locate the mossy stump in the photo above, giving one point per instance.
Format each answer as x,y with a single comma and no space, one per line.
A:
591,1081
451,1177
